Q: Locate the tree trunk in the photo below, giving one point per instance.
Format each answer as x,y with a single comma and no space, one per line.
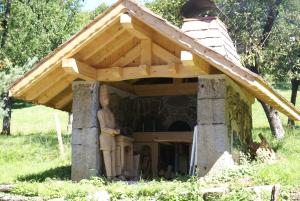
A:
6,22
7,113
274,121
295,85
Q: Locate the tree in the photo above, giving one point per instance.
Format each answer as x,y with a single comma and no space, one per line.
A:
34,28
250,24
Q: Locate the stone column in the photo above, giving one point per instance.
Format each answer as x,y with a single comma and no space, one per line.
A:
85,130
213,139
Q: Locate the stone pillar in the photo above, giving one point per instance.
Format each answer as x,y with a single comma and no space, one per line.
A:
213,139
85,130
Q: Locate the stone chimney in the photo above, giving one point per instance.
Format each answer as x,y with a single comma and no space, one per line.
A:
212,33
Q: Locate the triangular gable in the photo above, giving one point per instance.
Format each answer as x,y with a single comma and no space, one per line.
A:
50,66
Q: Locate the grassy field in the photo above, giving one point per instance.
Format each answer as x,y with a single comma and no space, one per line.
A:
30,159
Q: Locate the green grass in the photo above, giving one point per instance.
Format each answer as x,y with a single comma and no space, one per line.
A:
30,159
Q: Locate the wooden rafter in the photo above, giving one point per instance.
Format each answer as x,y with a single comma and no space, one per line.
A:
126,22
164,54
101,42
55,90
64,101
44,85
133,54
117,43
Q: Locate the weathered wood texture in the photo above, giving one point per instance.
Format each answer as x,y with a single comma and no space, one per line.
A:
85,131
224,120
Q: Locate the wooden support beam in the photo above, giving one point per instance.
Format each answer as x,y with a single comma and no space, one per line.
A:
79,69
117,72
45,84
55,90
166,89
64,101
145,70
115,45
128,57
101,42
126,22
131,73
164,54
189,59
124,86
146,52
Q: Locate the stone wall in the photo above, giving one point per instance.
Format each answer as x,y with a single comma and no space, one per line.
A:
160,113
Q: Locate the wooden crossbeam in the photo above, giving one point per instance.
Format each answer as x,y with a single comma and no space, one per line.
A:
166,89
164,54
128,57
129,73
79,69
126,22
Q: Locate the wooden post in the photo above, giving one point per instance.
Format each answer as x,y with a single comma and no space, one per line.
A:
59,138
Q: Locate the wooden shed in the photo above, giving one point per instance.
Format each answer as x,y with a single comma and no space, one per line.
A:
194,72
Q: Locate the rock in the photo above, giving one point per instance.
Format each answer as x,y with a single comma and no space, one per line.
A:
100,196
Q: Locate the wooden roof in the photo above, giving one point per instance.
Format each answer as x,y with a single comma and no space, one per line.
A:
129,42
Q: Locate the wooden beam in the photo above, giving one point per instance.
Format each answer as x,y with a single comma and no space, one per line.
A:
164,54
131,73
109,49
146,52
45,84
128,57
68,49
55,90
124,86
126,22
166,89
101,42
117,72
79,69
64,101
189,59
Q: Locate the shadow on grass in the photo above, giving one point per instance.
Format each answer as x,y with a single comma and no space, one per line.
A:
60,173
18,104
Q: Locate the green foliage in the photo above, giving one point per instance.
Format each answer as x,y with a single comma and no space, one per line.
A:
168,9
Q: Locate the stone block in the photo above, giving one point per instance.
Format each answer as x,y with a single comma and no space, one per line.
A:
211,111
85,104
213,142
211,87
85,136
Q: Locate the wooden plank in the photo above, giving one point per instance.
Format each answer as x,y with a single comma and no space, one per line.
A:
146,52
166,89
189,59
110,48
130,73
44,85
55,90
164,54
64,101
129,56
124,86
163,136
106,38
126,22
68,49
79,69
